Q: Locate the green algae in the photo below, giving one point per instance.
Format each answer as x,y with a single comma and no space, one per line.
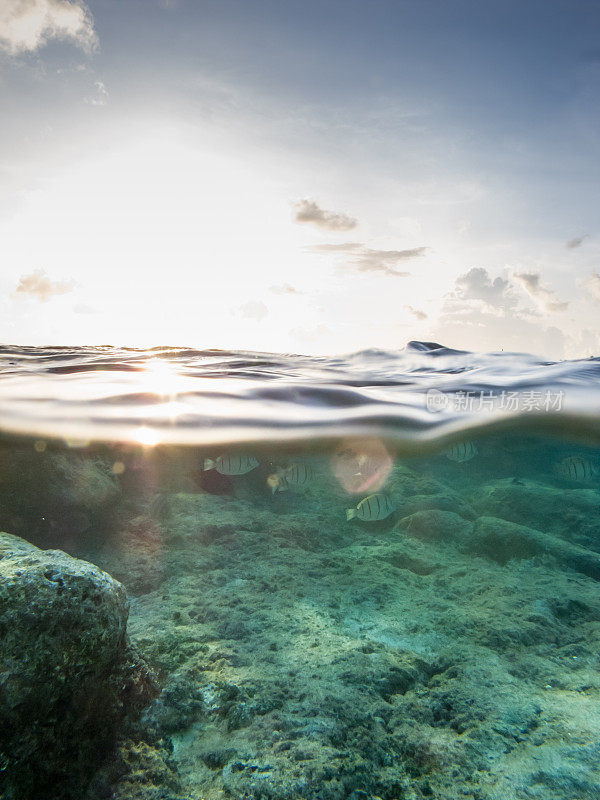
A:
448,652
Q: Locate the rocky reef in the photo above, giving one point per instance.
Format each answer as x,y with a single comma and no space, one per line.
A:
68,674
446,652
52,496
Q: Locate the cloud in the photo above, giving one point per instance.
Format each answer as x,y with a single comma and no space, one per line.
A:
385,260
83,308
416,312
284,289
487,311
310,211
310,335
576,242
476,289
545,298
365,259
27,25
477,285
38,285
345,247
254,309
592,284
100,98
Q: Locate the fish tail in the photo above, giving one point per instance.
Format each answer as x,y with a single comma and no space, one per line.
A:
350,514
209,463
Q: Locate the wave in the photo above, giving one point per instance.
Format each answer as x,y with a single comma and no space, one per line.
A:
422,395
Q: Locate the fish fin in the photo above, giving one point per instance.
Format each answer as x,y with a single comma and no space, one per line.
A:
350,514
209,463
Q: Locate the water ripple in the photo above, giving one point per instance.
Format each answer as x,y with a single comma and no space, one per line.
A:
422,394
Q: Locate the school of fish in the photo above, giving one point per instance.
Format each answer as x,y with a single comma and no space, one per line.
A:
357,468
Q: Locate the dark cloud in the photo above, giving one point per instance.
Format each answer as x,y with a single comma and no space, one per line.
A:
39,285
310,211
545,298
416,312
576,242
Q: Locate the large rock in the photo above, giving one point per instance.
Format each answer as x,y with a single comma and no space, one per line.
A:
435,525
572,513
49,497
502,541
66,674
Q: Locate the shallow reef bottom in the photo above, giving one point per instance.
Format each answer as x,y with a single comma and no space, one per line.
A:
449,651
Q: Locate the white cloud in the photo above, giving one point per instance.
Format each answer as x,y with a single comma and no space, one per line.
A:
545,298
485,313
385,260
343,247
27,25
310,335
254,309
310,211
592,284
100,97
365,259
477,285
84,308
37,284
416,312
285,288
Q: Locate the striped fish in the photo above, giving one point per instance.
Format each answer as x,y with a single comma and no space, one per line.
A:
576,468
231,464
372,508
461,452
296,476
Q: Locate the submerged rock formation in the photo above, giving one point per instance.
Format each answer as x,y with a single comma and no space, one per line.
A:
67,673
51,497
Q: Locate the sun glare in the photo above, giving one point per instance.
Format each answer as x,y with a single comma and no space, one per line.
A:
160,377
146,436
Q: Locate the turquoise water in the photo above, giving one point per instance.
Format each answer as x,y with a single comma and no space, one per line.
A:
442,642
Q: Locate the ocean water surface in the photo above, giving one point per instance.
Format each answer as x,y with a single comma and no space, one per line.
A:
350,578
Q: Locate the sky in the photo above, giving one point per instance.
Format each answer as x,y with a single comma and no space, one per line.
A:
317,177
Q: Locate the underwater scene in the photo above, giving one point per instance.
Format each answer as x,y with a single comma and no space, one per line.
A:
239,576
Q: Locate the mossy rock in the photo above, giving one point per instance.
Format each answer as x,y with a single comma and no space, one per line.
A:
66,670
